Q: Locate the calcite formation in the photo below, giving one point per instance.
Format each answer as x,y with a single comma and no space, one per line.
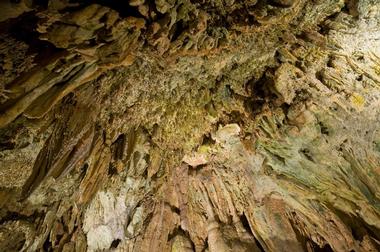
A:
190,125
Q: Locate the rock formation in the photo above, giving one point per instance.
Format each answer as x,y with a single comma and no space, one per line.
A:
190,125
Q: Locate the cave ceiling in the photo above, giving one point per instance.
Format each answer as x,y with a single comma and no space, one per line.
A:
190,125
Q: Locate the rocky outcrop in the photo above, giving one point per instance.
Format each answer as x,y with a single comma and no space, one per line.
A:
184,125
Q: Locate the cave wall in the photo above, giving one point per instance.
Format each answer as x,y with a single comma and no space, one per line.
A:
189,125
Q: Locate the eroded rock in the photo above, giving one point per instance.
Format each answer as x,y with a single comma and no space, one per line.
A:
177,125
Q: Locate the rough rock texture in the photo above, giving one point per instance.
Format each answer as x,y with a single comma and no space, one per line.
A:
189,125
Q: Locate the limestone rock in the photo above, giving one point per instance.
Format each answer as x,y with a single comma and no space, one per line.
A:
186,125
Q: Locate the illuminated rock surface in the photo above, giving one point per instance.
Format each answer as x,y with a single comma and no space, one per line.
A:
189,125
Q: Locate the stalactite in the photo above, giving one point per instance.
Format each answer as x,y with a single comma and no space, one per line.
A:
187,125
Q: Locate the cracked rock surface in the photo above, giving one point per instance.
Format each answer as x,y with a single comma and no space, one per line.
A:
190,125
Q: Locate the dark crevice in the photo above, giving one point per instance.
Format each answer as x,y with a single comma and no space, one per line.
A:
317,248
8,144
145,174
279,158
207,140
326,248
174,209
324,26
319,76
285,108
324,29
260,94
58,238
245,223
122,7
41,3
241,16
236,117
302,36
174,233
118,147
359,78
307,154
359,228
330,62
277,54
254,106
112,170
179,27
205,248
351,8
280,3
115,243
14,216
300,64
258,244
83,170
47,246
324,128
23,28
